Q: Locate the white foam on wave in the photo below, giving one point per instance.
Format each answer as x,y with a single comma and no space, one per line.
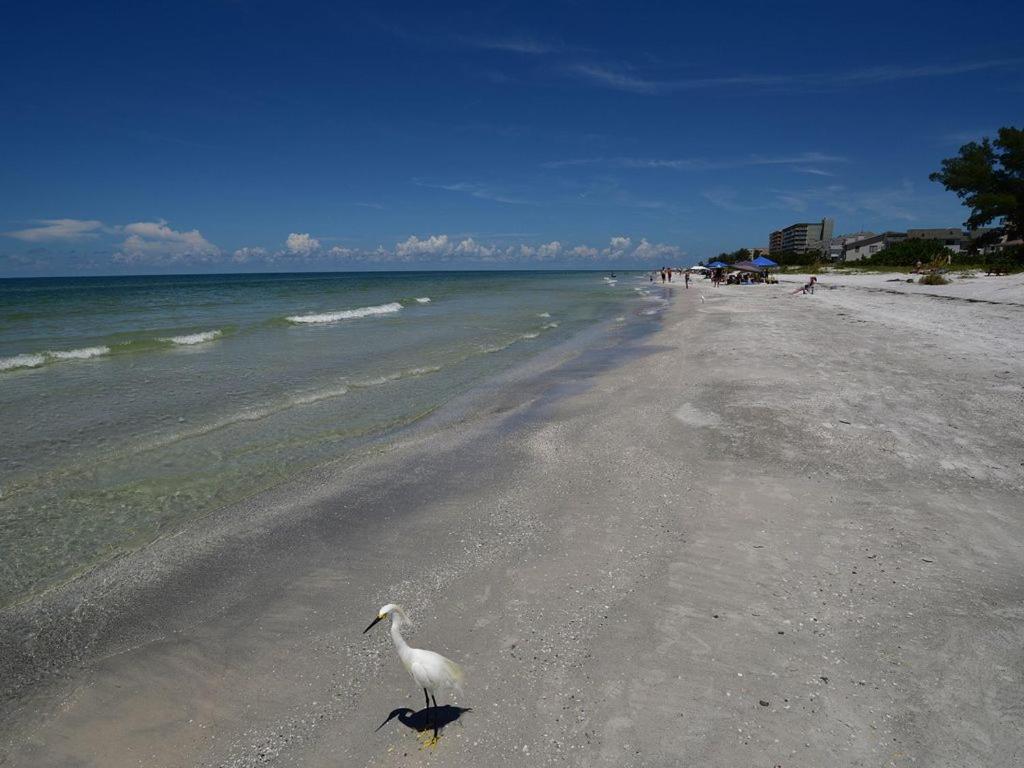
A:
35,360
408,373
194,338
21,361
544,314
315,397
423,300
346,314
530,335
79,354
497,347
551,325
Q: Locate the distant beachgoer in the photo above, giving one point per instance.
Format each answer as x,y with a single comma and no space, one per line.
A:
651,276
807,287
686,279
669,270
663,275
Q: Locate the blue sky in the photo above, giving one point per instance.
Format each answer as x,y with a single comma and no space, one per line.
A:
229,136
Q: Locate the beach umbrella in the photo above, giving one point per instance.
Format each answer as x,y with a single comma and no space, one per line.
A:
747,266
765,262
718,265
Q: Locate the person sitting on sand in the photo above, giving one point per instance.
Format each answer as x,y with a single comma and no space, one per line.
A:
807,288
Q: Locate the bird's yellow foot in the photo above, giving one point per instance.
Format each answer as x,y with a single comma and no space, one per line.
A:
430,742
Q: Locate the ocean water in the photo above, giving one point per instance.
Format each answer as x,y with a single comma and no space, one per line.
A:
131,406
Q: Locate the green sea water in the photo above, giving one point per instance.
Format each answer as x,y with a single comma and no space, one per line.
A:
131,406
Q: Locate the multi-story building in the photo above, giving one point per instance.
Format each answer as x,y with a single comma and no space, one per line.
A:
837,245
954,238
859,249
801,238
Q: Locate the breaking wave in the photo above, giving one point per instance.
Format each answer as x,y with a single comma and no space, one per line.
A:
79,354
21,361
345,314
194,338
34,360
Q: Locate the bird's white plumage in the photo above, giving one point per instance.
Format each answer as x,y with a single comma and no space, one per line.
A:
428,669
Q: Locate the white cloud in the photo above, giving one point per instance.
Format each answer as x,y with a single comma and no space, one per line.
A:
584,252
470,247
58,229
243,255
155,242
301,244
434,245
646,251
619,243
338,252
549,250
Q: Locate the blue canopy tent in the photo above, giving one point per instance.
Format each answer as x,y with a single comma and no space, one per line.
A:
718,265
762,261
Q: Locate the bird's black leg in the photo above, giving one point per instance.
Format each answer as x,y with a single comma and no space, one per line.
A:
435,716
426,698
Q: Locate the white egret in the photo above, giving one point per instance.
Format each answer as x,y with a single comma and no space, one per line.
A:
431,671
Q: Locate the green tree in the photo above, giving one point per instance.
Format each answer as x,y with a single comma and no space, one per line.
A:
907,253
989,178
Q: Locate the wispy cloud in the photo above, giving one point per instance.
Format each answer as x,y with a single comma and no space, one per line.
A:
699,163
814,171
901,202
620,81
959,138
56,230
474,189
727,199
529,46
627,79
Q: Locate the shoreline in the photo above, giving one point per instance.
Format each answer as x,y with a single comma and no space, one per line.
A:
778,530
100,611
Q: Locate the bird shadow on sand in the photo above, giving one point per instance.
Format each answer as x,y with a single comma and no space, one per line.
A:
426,719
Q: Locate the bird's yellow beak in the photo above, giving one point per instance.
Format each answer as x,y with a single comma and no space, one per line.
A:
379,617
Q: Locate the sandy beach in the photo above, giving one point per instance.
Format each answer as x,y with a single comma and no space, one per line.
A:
772,530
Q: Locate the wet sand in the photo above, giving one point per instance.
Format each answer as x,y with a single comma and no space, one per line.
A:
777,531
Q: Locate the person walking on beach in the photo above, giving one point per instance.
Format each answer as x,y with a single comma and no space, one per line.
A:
686,279
669,272
663,274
